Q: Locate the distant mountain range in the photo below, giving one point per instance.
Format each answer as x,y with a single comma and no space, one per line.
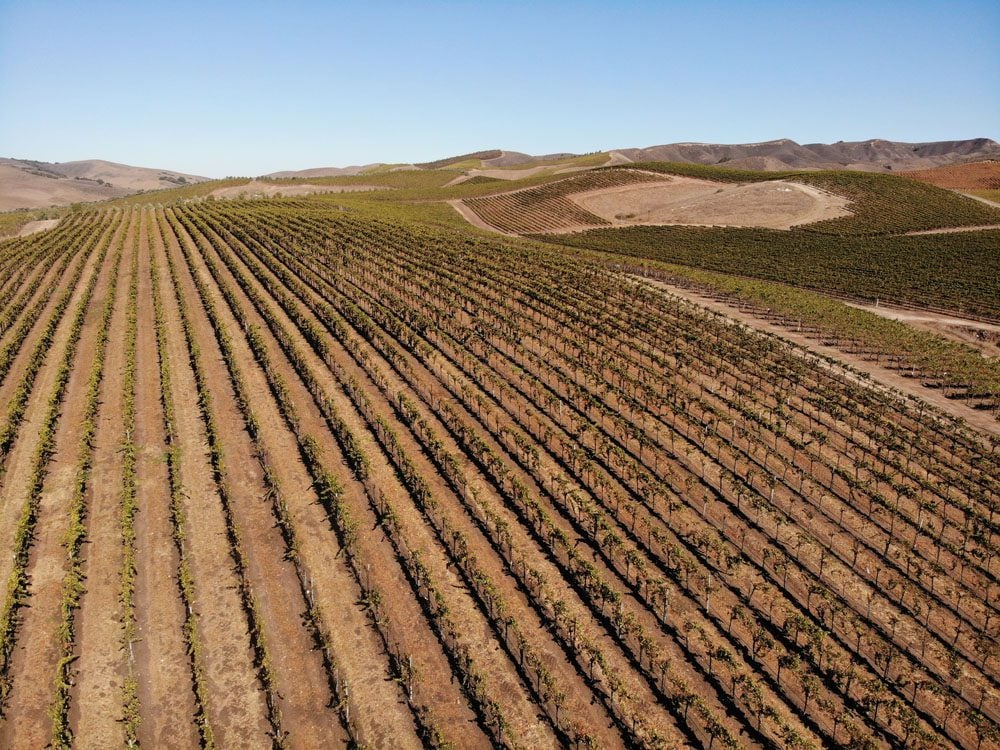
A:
873,155
37,184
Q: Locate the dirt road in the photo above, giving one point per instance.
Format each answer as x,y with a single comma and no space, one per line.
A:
882,375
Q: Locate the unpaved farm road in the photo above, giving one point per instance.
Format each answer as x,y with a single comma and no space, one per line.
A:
954,230
37,226
980,420
473,218
950,326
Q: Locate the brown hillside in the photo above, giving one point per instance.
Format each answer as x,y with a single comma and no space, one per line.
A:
982,175
26,183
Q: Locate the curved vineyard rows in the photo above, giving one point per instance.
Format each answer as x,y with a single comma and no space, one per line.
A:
881,204
278,476
547,208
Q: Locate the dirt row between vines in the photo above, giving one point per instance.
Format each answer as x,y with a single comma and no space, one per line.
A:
384,715
163,668
407,622
416,534
589,713
32,670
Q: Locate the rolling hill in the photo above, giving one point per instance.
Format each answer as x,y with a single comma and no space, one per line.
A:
26,183
871,155
874,155
983,175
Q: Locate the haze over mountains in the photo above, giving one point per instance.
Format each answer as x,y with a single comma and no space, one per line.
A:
35,184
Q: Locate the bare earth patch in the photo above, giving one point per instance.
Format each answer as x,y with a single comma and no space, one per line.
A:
774,204
953,230
259,189
37,226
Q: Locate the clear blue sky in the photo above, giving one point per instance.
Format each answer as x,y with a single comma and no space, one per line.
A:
219,88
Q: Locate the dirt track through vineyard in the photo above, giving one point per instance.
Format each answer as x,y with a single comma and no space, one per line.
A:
889,378
337,481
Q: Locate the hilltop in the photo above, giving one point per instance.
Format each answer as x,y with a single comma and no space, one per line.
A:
30,184
25,183
873,155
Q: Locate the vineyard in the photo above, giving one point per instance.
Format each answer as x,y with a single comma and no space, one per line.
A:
958,271
983,175
277,475
547,207
881,204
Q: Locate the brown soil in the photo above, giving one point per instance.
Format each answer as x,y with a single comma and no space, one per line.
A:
430,389
96,702
33,227
983,175
162,665
300,679
542,437
236,711
34,662
406,623
776,204
953,230
503,680
382,717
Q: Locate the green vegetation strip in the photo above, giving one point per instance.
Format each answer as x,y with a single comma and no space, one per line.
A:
129,506
76,534
958,272
880,203
18,583
185,580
